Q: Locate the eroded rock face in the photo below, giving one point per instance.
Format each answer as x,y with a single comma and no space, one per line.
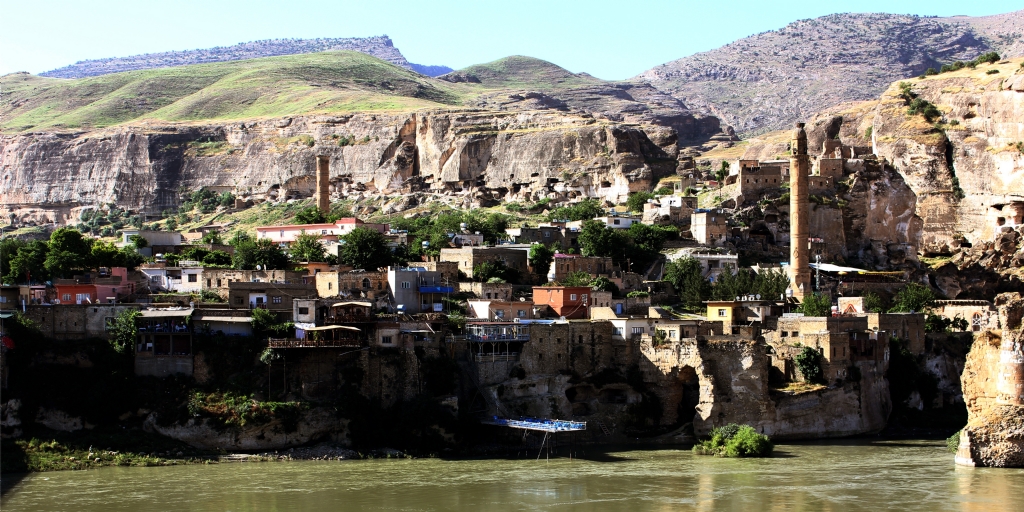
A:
966,171
315,424
499,156
993,387
733,384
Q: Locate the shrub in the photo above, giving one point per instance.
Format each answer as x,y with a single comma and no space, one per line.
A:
953,442
636,200
991,71
809,363
868,132
930,72
663,191
735,441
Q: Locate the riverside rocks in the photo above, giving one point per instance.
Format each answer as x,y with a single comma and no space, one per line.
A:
992,382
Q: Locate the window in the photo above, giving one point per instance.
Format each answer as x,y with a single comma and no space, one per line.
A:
721,312
547,234
386,340
238,300
366,284
618,331
282,233
638,330
499,313
277,300
521,313
323,231
66,297
406,285
155,279
218,283
207,283
794,333
572,296
616,222
303,311
583,297
672,335
193,278
330,286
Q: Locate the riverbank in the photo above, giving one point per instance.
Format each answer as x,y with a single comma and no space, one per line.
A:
850,475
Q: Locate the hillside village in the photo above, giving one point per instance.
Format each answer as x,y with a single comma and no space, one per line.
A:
558,319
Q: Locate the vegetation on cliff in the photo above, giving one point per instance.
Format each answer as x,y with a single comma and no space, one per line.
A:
734,440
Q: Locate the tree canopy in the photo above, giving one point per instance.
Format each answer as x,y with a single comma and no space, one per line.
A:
364,248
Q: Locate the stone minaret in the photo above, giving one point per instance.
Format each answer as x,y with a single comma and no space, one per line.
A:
323,183
799,168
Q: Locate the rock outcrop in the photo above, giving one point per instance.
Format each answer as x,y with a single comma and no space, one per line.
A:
993,387
480,156
313,425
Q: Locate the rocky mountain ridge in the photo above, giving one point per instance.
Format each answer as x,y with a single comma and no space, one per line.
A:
769,80
377,46
963,170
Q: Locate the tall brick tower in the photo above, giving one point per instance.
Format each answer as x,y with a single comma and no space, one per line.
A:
799,167
323,183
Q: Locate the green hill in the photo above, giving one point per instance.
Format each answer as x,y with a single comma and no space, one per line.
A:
339,81
517,72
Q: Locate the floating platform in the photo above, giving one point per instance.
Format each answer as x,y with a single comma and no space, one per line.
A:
539,424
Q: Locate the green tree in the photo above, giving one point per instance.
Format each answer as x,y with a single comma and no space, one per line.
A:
815,304
212,238
28,263
139,241
687,276
583,210
578,278
874,303
310,215
364,248
9,248
217,259
596,239
263,253
808,362
635,202
604,284
722,173
540,258
123,332
488,270
651,238
69,252
912,298
771,283
733,284
308,247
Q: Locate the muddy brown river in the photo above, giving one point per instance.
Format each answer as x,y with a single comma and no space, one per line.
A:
838,475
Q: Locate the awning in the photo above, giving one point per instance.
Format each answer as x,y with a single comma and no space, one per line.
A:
331,328
364,304
165,313
228,319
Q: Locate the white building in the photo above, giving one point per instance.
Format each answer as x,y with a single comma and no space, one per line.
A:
184,278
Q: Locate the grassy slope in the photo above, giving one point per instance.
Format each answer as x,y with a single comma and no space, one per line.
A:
519,72
337,81
274,86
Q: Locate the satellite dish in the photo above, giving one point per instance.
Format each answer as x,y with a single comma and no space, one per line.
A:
259,267
758,296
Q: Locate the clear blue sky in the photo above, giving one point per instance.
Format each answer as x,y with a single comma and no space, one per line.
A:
608,39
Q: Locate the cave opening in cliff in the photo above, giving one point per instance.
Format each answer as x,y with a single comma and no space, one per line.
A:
686,387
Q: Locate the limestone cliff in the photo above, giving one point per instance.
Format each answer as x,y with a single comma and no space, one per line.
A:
993,387
478,155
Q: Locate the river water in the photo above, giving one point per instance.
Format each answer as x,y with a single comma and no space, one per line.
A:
839,476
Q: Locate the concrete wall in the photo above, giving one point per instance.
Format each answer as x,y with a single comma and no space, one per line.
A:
163,366
74,321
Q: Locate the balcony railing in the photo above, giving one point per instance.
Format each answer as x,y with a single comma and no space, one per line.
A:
307,343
